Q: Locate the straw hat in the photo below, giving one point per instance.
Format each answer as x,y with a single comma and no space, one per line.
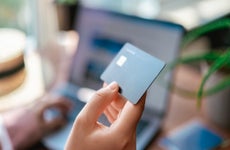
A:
12,67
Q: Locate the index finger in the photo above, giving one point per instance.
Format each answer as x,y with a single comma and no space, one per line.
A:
130,115
100,100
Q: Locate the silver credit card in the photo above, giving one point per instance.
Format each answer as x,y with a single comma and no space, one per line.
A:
134,70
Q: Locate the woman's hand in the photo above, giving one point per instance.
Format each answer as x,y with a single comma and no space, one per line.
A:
87,133
27,125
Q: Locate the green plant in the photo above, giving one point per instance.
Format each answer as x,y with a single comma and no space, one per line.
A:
68,2
9,13
218,59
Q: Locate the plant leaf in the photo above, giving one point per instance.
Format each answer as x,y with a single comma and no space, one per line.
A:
220,62
223,84
208,56
186,60
197,32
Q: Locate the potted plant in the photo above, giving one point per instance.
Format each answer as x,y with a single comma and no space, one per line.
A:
215,83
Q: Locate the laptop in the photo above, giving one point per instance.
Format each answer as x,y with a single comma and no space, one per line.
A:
102,34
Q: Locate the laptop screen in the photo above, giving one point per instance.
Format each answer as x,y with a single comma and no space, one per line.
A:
102,34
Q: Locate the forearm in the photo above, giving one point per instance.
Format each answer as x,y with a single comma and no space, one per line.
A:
17,124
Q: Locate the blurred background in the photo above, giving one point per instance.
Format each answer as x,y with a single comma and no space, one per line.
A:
41,38
42,21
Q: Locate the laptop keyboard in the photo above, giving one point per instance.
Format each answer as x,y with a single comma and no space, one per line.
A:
141,126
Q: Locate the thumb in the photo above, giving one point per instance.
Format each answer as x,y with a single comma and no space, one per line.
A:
99,101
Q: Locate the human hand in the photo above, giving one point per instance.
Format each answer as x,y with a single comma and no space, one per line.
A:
87,133
27,125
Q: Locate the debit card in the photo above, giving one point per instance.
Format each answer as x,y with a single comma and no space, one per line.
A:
134,70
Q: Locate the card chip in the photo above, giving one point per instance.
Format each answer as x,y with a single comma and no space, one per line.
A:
121,61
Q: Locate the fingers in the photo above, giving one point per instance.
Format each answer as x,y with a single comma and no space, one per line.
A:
113,110
54,124
98,103
55,101
119,102
104,85
111,113
58,108
130,115
109,116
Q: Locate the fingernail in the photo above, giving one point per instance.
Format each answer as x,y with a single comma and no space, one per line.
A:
113,85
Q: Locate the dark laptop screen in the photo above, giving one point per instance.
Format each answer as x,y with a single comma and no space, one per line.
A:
103,33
